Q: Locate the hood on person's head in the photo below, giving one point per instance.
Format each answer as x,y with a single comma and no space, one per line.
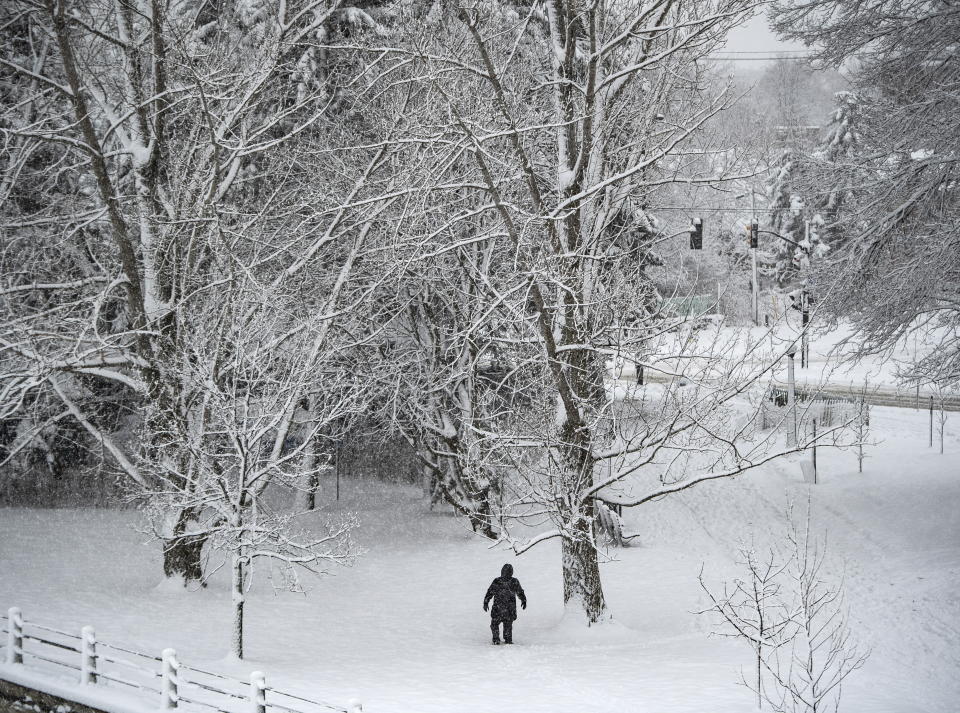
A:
507,571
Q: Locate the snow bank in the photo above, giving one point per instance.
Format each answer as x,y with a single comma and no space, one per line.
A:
99,697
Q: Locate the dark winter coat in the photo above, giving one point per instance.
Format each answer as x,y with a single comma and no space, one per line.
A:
504,591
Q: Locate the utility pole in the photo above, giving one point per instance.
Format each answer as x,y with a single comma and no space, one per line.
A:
791,400
805,306
336,465
754,241
814,451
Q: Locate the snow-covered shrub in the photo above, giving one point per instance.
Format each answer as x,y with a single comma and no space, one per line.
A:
608,526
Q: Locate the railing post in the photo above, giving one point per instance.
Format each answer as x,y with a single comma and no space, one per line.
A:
791,400
88,656
258,692
355,706
169,680
814,451
14,636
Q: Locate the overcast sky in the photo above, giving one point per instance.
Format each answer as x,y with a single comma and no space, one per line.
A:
755,35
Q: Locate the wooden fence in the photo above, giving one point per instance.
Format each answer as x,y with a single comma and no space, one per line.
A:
163,681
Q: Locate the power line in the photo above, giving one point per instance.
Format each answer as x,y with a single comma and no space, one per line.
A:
719,209
767,52
767,58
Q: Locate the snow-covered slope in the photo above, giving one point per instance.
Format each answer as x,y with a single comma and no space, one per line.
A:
403,629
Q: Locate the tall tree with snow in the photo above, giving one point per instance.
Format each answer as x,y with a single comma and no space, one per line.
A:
251,363
896,272
830,181
544,132
183,139
446,382
787,214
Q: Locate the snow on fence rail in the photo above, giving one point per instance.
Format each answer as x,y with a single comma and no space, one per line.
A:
172,685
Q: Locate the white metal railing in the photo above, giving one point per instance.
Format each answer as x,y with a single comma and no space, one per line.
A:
171,684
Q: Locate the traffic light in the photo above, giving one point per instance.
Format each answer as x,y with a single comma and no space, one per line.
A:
696,234
753,234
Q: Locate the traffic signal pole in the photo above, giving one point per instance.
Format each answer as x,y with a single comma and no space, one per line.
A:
805,308
754,240
804,305
791,400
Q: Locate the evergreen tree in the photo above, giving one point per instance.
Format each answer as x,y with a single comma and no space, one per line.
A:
833,181
787,215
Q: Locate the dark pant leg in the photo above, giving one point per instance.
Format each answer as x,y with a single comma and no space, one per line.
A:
495,629
508,631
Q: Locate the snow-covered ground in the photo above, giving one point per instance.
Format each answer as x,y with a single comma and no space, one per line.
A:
403,629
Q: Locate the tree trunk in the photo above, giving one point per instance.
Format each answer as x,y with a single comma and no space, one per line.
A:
582,590
481,520
183,555
310,498
237,587
313,477
476,506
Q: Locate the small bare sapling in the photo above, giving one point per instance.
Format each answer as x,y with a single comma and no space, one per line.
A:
861,429
795,620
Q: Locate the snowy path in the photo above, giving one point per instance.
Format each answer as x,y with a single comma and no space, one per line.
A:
403,630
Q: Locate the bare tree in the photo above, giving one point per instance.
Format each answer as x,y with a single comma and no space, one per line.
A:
542,138
446,384
753,607
861,428
823,652
251,364
942,395
179,134
795,620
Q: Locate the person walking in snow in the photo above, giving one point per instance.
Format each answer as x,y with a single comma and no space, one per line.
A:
504,591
